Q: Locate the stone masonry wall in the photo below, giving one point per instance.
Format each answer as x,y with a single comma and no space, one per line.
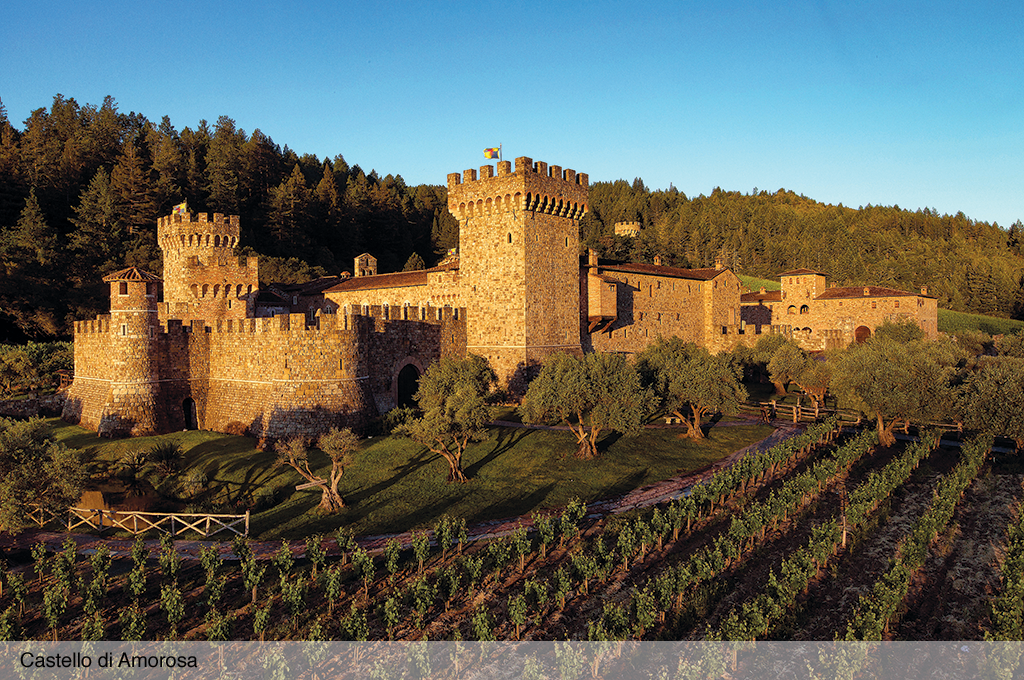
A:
649,307
90,391
518,254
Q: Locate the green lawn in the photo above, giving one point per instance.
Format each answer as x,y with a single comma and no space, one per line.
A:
395,485
755,284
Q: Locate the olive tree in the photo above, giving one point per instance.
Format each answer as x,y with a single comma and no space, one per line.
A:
596,393
690,382
35,470
895,382
452,396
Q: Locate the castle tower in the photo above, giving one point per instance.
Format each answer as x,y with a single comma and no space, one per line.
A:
519,262
203,279
131,406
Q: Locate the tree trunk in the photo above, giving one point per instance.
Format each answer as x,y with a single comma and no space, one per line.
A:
885,435
693,430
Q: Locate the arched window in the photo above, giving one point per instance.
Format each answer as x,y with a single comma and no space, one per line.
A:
791,309
195,290
216,289
206,287
216,241
804,309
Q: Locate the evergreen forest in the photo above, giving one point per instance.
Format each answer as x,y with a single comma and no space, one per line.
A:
81,187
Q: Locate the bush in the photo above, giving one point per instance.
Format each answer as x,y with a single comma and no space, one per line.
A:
237,428
397,417
167,457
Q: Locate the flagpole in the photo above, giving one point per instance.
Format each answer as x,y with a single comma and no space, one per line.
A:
499,151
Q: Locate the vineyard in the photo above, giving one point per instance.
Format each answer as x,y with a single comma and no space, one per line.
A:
825,536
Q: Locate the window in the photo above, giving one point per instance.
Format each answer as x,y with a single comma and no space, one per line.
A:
122,288
897,304
874,304
804,309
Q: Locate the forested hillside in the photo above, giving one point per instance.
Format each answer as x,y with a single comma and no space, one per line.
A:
81,187
970,266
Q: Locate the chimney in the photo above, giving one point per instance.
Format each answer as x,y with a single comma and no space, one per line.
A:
591,257
657,260
718,263
867,291
763,290
924,290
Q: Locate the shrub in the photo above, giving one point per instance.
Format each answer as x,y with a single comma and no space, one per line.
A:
167,457
237,428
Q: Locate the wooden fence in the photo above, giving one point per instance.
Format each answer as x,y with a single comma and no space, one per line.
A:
134,522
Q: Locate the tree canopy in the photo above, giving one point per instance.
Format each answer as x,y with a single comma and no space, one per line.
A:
690,382
35,471
591,395
452,396
895,382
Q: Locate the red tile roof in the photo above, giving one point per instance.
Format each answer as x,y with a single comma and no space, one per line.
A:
767,296
131,274
800,272
392,280
659,270
841,292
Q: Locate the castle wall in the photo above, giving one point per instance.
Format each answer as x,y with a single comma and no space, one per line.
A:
90,391
272,377
649,306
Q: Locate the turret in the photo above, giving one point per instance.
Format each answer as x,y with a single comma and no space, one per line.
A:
131,407
201,269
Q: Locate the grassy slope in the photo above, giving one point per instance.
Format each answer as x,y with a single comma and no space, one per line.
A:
955,322
396,485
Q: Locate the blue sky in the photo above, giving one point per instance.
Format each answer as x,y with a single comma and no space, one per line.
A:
919,104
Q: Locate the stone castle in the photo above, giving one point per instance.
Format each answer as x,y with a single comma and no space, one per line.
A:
342,350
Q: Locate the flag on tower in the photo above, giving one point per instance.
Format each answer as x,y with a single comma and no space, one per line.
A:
181,209
492,153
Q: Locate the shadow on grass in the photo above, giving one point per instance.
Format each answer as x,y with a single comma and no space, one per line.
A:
414,464
507,439
623,485
519,504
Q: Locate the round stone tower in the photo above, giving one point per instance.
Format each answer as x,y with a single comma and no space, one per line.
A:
131,408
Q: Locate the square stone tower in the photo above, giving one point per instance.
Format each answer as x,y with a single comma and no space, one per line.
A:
519,262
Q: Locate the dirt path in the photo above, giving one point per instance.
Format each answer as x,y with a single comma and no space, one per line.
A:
659,492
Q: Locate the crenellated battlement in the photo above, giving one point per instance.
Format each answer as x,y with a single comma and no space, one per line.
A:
291,323
534,187
175,232
185,222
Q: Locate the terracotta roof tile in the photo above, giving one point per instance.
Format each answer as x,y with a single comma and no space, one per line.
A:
842,292
767,296
131,274
659,270
392,280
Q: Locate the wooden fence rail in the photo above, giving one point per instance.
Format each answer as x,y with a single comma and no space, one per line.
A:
135,522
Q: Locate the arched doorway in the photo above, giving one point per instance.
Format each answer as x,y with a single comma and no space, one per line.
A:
861,334
408,383
188,408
